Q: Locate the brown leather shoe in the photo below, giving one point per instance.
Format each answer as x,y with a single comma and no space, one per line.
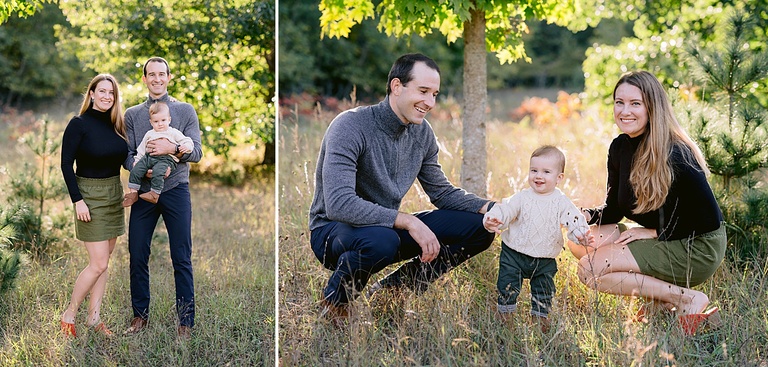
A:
544,324
137,324
184,332
150,196
337,315
130,198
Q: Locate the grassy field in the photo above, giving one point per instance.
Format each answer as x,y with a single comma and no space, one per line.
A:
453,323
233,258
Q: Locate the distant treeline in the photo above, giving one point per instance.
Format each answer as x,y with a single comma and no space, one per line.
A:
333,67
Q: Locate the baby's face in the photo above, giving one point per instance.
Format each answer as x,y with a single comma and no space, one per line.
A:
160,120
544,174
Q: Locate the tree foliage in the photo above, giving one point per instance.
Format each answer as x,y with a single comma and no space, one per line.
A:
505,20
732,129
22,8
335,67
221,54
662,31
483,26
31,68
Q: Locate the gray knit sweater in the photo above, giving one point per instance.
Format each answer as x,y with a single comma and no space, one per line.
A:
183,118
367,163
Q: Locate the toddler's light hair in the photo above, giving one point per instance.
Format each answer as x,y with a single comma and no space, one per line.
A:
157,107
551,150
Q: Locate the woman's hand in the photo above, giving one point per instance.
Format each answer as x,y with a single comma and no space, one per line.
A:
83,214
637,233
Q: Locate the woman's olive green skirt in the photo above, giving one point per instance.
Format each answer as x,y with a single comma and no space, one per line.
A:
104,198
687,262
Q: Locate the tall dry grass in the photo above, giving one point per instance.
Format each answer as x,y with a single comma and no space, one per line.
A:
233,258
453,323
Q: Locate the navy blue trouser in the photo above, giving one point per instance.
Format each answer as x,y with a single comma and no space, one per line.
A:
355,253
176,208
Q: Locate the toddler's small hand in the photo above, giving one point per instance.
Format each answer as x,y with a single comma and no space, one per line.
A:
492,225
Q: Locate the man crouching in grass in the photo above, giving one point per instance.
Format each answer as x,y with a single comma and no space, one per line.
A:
369,159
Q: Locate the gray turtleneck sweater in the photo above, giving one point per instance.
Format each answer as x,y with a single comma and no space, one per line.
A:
183,118
369,160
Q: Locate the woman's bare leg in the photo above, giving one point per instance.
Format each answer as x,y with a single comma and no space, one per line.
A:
604,235
98,259
612,269
98,290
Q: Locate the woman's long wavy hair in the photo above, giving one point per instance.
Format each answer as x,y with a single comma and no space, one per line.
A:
652,174
116,111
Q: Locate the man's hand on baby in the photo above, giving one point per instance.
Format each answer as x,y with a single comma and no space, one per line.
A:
167,173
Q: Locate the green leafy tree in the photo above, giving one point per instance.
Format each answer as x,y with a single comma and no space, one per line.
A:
221,54
483,26
23,8
334,67
31,66
661,31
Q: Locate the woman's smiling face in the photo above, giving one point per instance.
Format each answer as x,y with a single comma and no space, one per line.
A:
629,110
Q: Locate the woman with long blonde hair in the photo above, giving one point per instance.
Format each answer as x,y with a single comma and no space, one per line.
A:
94,141
657,179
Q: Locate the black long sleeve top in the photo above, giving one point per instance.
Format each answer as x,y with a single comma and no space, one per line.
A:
91,141
690,208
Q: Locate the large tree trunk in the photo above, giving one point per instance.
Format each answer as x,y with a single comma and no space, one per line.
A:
269,154
475,99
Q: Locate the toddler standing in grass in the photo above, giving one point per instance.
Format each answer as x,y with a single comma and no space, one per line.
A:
533,238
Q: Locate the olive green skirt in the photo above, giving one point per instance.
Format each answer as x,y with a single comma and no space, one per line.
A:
685,262
104,198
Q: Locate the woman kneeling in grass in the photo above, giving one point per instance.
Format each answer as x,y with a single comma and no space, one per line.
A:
656,178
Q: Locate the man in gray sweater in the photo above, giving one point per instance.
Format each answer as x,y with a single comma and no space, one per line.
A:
369,159
174,204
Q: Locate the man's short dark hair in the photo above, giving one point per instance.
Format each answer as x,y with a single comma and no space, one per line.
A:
402,67
157,59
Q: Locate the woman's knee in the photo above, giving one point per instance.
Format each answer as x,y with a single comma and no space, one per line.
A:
99,267
587,272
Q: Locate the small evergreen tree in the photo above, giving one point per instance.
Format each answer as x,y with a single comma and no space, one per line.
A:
31,189
730,126
10,261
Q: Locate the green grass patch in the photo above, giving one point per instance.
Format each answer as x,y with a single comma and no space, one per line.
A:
233,260
453,323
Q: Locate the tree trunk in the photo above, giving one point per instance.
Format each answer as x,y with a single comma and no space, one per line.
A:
475,98
269,154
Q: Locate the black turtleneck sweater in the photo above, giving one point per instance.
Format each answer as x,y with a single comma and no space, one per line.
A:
90,141
690,208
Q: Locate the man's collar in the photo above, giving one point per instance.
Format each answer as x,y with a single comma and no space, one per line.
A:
164,98
387,119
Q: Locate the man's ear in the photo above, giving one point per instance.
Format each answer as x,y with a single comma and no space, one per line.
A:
395,86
